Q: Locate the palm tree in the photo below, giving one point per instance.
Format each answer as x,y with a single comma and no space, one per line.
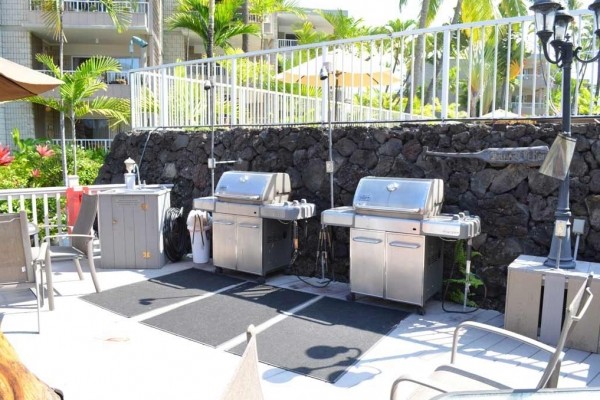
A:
194,15
344,26
76,93
119,12
429,9
262,8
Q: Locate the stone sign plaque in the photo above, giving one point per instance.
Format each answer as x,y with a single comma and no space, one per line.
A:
510,155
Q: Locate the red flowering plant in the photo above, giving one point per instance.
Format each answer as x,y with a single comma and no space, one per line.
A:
32,164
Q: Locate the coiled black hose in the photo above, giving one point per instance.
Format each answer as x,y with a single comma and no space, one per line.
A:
175,235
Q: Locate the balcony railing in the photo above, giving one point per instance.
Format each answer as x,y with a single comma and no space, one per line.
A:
286,43
89,144
468,71
93,6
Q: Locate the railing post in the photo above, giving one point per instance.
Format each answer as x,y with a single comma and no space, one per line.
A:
445,74
233,95
164,98
325,115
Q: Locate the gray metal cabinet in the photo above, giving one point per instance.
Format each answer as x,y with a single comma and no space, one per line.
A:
367,255
131,226
395,266
250,244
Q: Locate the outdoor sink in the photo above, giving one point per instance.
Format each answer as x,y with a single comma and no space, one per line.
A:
338,216
136,191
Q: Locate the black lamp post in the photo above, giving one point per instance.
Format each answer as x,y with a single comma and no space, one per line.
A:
551,20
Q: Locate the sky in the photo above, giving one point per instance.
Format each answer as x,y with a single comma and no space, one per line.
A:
373,12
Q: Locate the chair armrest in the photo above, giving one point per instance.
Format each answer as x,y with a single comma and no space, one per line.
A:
67,235
41,255
428,383
463,326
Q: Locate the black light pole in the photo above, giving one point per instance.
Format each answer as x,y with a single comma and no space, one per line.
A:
552,21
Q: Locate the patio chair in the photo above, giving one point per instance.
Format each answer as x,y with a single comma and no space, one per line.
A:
451,378
245,383
82,245
18,264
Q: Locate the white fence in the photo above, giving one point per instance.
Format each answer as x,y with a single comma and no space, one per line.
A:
491,69
44,206
95,144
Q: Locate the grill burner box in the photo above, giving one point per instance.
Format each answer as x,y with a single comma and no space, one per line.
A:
395,229
253,221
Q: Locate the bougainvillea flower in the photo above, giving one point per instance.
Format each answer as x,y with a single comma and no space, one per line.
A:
5,157
44,151
36,173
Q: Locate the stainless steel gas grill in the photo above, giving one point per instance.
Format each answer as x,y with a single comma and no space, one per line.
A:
395,245
253,220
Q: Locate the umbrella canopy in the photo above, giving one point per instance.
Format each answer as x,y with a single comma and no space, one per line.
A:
500,113
17,81
348,70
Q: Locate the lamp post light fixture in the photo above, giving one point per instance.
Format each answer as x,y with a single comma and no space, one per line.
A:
208,88
552,22
329,166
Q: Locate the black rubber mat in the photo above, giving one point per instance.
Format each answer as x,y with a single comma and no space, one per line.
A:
325,338
140,297
219,318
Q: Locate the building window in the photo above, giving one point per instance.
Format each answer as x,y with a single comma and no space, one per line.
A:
92,129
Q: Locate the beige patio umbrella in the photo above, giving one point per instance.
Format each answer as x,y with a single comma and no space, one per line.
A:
348,70
17,81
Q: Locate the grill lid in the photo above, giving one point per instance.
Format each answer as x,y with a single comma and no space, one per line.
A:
253,187
399,197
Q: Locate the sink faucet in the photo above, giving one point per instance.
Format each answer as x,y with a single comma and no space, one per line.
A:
137,173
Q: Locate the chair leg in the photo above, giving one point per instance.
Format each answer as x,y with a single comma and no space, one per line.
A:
90,258
79,270
49,285
38,296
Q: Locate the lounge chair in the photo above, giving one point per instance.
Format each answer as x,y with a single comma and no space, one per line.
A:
451,378
82,245
18,265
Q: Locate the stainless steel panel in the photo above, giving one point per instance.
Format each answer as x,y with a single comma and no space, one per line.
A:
288,211
251,210
205,203
367,262
402,197
249,245
387,224
452,226
224,240
253,187
338,216
413,268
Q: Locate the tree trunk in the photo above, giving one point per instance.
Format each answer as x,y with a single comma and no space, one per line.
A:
61,120
246,16
455,20
417,71
73,135
211,29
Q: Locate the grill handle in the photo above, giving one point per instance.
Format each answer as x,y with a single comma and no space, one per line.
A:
253,226
218,222
237,196
390,209
362,239
405,245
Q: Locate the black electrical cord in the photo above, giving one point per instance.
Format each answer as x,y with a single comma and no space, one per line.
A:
324,245
448,286
174,234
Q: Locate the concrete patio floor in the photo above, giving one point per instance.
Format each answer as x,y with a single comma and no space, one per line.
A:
91,354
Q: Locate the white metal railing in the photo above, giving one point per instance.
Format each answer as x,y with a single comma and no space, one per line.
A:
88,144
286,43
44,206
468,71
93,6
